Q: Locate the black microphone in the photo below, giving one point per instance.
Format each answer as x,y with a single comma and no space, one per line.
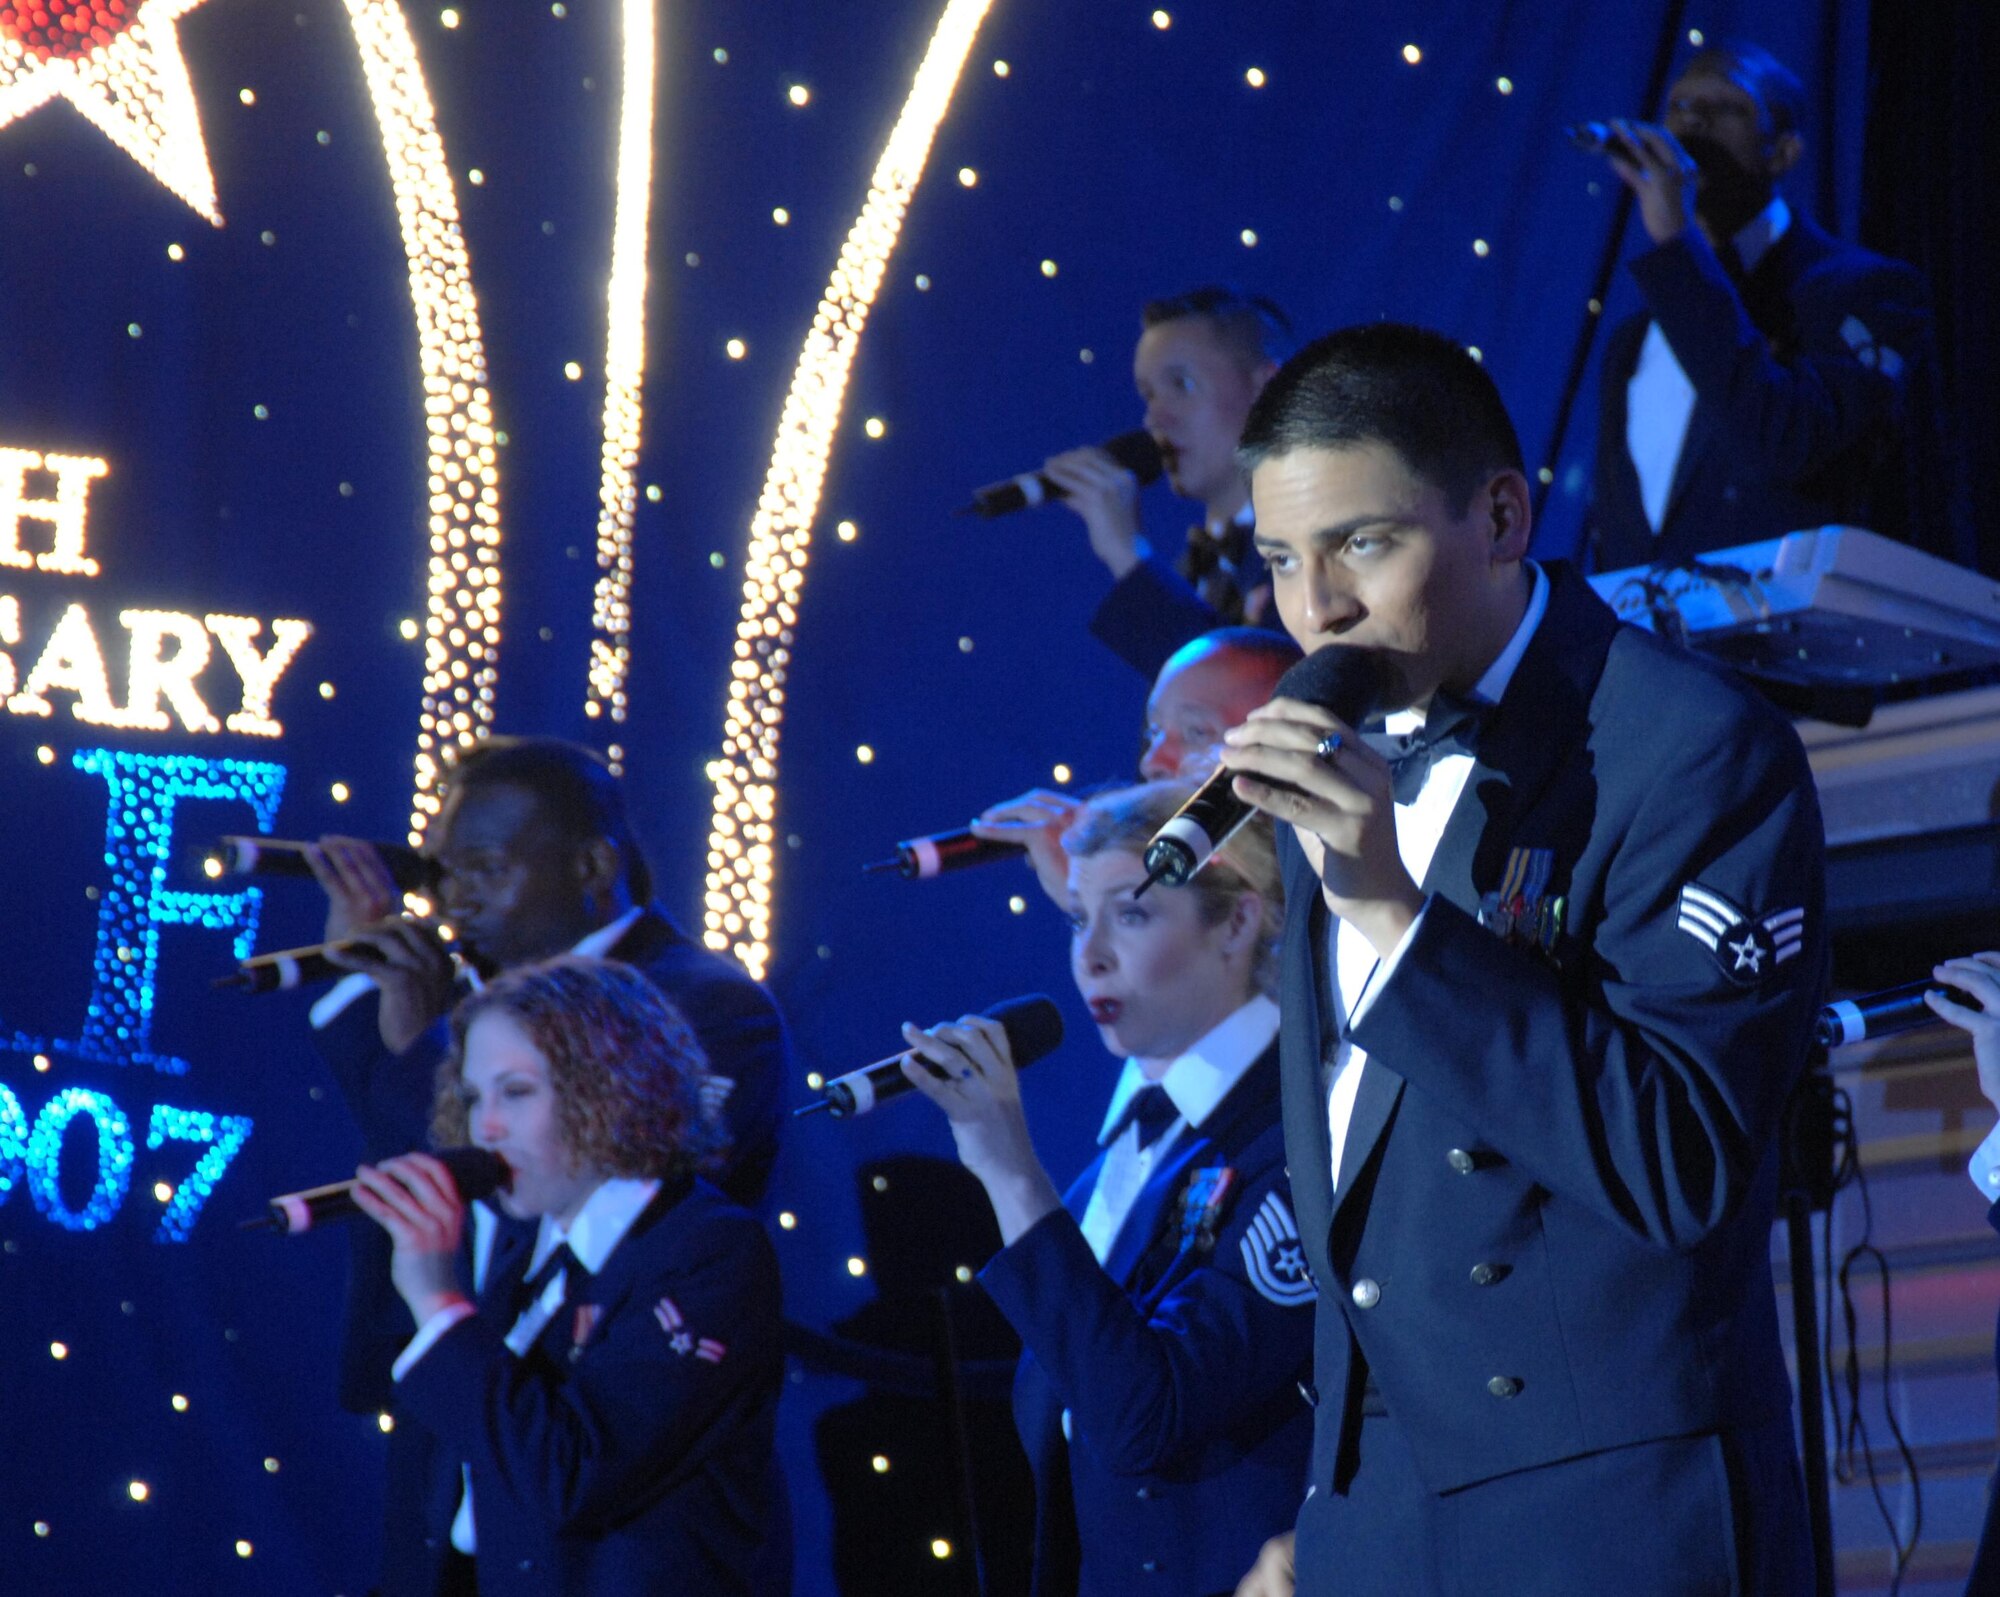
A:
1034,1029
476,1172
279,856
921,858
1135,451
1347,682
1883,1014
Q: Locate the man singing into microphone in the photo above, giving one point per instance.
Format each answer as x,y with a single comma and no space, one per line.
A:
538,859
1202,357
1778,378
1547,986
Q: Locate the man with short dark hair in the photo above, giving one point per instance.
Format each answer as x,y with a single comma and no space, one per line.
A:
538,858
1779,378
1550,975
1201,358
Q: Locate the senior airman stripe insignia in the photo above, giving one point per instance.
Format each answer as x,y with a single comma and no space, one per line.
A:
1746,946
1274,1258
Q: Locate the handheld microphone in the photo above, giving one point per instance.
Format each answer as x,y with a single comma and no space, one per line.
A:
476,1172
1593,138
285,968
1135,451
921,858
279,856
1346,682
1883,1014
1034,1029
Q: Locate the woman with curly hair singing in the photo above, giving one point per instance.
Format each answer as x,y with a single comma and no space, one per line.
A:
602,1399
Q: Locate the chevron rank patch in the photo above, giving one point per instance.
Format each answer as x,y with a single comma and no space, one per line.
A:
1870,350
1274,1258
1748,948
681,1339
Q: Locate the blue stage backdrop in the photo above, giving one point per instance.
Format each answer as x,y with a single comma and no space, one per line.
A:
312,313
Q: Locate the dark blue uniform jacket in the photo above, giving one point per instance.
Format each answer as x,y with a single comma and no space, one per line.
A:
1816,402
1178,1362
1553,1229
639,1457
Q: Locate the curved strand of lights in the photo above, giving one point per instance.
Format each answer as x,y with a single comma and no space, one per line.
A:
740,857
624,370
462,626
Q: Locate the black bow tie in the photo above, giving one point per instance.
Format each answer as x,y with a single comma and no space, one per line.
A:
560,1261
1152,1111
1451,726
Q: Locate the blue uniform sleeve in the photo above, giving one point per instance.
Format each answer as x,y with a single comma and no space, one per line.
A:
1844,385
1645,1082
744,1041
640,1409
1149,613
1227,1337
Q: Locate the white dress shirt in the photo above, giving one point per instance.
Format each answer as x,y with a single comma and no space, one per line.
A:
1659,399
600,1225
1195,1082
1419,827
592,945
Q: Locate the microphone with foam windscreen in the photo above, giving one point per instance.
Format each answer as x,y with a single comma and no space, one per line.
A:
1135,451
1345,682
1034,1028
476,1172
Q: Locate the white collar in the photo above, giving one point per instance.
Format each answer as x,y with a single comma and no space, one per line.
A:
600,1225
1203,1076
1492,686
1754,239
595,945
592,945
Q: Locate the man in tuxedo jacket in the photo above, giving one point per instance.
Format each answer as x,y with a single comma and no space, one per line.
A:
1778,378
1542,1007
1201,358
538,859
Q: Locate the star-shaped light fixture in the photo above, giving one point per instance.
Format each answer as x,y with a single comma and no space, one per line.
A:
118,62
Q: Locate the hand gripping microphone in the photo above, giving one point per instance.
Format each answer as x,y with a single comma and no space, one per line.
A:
1034,1029
279,856
1346,682
476,1172
918,859
1883,1014
1135,451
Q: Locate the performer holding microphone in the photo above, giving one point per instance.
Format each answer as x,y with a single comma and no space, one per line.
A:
1206,687
1202,357
602,1404
1164,1304
537,859
1546,991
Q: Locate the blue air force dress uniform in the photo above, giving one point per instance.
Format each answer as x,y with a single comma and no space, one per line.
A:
1167,1318
1534,1154
604,1421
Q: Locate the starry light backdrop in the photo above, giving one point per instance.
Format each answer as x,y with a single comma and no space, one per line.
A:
418,409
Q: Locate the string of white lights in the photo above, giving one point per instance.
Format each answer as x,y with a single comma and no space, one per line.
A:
624,372
462,626
741,862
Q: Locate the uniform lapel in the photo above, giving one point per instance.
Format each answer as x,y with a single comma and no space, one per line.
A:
1302,1024
1143,1219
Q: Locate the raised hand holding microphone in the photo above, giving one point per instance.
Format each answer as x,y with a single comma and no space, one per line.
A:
970,1075
1106,495
1036,822
1661,174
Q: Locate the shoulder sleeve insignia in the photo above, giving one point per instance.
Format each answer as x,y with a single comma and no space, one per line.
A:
1747,947
1870,350
1273,1256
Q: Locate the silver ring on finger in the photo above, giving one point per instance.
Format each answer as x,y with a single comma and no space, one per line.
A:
1328,748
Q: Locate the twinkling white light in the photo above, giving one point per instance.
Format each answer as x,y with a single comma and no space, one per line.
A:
462,625
740,855
129,78
624,374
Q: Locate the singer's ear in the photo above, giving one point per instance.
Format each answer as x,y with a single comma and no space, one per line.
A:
1510,515
1244,925
599,866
